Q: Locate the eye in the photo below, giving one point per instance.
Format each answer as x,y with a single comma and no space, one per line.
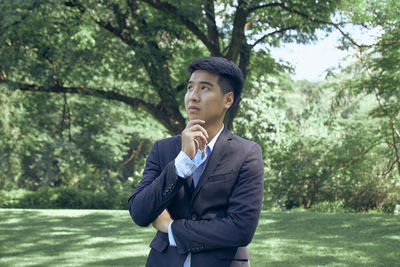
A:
204,88
189,87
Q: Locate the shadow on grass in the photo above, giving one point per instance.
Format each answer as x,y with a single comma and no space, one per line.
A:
309,239
110,238
75,238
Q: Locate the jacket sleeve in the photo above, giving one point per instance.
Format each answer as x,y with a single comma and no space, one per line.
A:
238,227
155,190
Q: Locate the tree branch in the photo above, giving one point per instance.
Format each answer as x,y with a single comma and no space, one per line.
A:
82,90
120,16
238,30
133,154
255,8
389,168
170,9
116,31
291,10
212,30
362,154
167,115
335,25
274,32
394,139
132,4
392,121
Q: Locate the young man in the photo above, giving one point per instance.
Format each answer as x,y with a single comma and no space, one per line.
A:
202,190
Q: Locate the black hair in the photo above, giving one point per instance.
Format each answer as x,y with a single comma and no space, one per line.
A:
230,76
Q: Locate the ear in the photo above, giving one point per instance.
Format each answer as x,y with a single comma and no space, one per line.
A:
228,100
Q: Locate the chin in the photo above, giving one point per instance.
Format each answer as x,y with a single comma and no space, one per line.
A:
195,117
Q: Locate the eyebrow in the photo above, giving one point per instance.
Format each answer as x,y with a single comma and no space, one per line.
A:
205,82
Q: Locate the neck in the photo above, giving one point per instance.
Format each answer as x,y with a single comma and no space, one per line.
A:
213,129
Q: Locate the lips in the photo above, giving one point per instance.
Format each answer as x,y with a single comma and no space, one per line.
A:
193,109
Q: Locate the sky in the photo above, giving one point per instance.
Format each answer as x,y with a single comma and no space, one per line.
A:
311,61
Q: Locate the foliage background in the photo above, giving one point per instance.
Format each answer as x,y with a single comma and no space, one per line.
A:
86,87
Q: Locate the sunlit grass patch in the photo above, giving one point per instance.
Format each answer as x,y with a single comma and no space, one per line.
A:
71,238
110,238
315,239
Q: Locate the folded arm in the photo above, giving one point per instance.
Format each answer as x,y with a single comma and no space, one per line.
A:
155,191
243,212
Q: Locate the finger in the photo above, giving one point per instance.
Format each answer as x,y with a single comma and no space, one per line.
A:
199,135
198,128
195,132
196,144
202,145
194,122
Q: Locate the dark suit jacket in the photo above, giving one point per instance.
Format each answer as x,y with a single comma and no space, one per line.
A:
215,221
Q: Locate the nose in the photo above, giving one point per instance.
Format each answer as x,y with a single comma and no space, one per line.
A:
193,95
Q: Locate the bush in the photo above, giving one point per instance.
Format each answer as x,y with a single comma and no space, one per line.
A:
373,194
42,198
64,198
11,198
327,206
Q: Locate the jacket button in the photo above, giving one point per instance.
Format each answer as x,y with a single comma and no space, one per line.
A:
194,216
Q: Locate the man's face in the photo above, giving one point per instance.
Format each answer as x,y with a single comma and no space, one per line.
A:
204,99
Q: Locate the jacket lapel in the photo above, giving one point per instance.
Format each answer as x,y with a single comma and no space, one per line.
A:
217,154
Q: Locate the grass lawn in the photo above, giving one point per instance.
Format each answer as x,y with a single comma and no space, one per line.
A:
110,238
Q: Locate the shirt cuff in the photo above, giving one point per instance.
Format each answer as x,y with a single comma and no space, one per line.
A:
171,236
184,166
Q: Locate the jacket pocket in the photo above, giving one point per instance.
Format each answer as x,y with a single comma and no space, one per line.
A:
222,176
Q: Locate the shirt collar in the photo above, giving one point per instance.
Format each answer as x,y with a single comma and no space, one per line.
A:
212,142
198,159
